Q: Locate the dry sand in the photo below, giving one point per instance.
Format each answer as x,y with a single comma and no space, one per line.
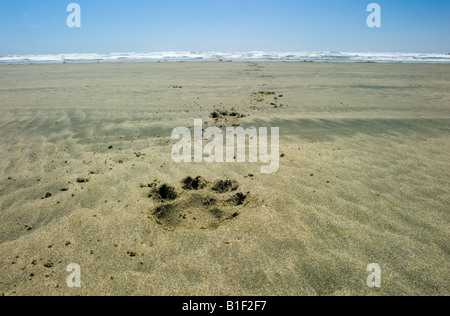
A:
364,179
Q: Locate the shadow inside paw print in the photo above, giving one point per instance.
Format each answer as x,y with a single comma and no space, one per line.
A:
163,193
200,204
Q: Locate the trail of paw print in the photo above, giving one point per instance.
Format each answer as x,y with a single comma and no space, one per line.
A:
270,97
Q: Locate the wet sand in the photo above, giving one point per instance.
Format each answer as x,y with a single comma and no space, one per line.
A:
86,177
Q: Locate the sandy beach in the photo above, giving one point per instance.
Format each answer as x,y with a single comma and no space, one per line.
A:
86,177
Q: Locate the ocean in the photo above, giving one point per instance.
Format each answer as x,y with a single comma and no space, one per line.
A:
234,56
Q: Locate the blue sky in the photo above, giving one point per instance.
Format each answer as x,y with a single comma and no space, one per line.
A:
39,26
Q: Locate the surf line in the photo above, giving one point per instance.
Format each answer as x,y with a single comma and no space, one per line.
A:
235,142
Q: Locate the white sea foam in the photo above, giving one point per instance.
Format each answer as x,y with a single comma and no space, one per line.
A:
234,56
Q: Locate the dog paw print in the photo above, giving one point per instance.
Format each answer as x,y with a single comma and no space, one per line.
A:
199,205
